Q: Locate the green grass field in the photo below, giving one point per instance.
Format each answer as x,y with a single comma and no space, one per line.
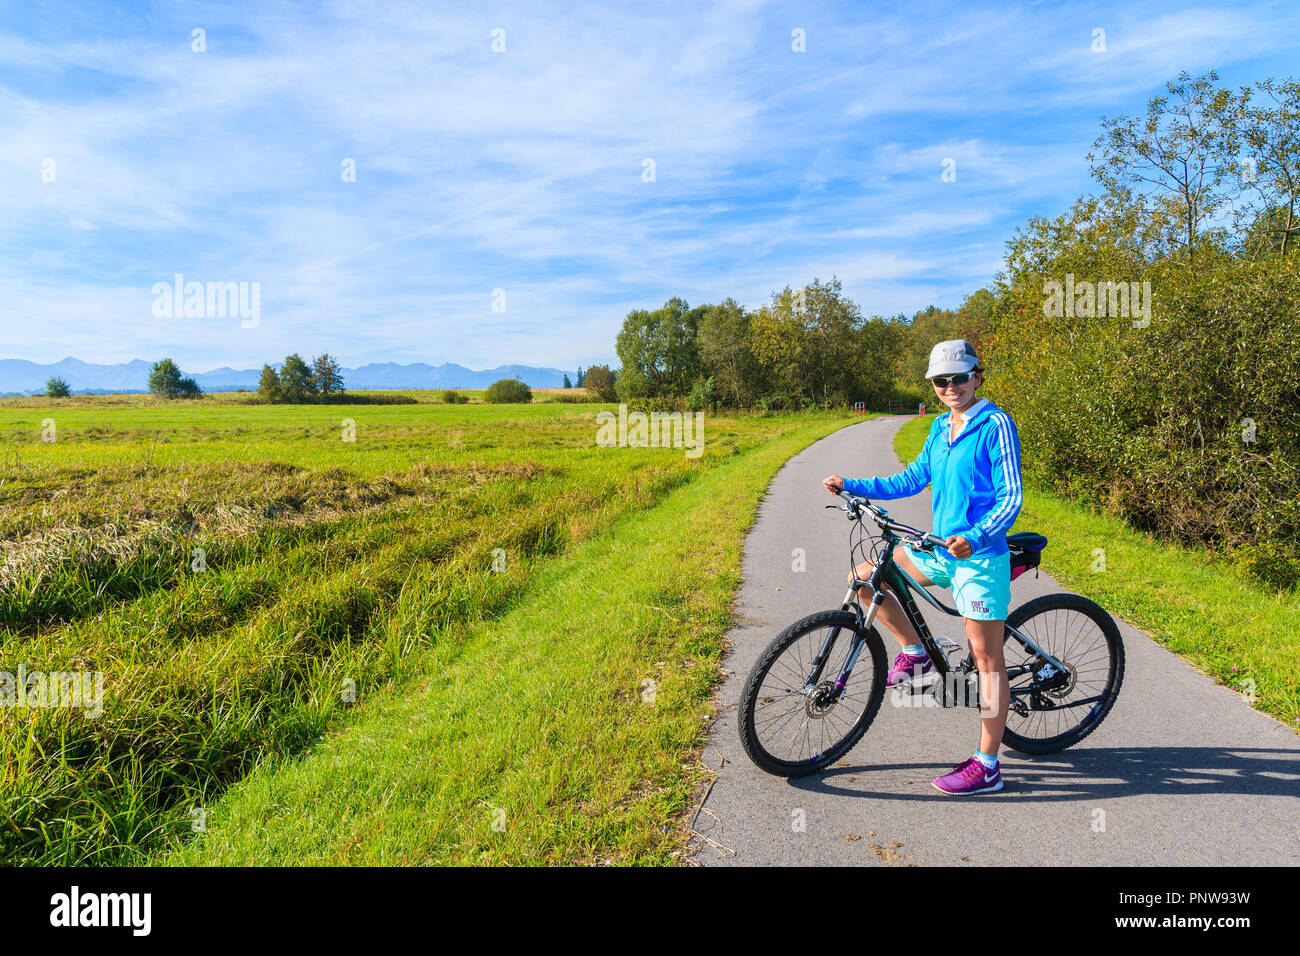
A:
1192,602
345,678
259,583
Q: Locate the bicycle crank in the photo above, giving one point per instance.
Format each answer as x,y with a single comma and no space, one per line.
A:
957,688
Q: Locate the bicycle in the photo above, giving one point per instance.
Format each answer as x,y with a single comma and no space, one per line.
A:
1054,662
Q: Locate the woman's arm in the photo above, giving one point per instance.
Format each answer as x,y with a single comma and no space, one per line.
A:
1004,453
906,483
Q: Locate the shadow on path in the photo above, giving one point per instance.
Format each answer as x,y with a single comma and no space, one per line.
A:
1095,773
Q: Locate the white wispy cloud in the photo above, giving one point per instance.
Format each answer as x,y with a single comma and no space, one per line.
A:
523,170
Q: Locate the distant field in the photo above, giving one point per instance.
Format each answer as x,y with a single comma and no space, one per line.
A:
241,573
420,395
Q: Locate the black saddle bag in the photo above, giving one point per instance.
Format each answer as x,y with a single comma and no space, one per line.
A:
1026,551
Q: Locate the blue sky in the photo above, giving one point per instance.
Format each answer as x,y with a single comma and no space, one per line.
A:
522,170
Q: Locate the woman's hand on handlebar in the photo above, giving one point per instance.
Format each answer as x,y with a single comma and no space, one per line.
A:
958,546
834,484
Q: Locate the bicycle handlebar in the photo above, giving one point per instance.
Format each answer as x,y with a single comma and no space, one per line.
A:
879,515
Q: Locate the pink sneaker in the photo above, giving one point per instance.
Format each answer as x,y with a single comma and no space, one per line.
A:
907,667
971,776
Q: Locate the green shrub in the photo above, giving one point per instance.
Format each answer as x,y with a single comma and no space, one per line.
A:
1188,426
581,398
1269,563
659,403
508,391
702,395
601,380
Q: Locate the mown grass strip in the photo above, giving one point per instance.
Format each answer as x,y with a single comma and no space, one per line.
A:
541,739
1192,602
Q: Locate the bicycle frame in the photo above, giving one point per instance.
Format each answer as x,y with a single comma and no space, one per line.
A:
1046,669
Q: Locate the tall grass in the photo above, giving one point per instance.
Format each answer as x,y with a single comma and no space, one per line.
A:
328,564
566,730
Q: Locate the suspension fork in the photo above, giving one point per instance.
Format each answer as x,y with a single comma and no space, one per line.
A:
859,637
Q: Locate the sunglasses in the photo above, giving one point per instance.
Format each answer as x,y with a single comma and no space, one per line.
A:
942,381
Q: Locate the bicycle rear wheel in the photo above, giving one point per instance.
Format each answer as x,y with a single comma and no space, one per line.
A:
1082,636
792,729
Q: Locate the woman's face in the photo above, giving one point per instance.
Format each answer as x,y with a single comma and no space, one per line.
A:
958,396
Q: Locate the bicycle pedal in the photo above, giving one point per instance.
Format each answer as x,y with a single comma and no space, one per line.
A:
920,683
948,647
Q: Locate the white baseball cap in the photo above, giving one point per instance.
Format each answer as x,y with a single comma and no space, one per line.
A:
952,358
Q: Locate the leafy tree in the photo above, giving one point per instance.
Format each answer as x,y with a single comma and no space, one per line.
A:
581,377
974,315
1271,232
659,350
727,354
508,391
327,375
297,385
1177,157
1271,134
57,388
600,379
810,340
567,383
926,329
932,325
165,379
1212,465
268,385
450,396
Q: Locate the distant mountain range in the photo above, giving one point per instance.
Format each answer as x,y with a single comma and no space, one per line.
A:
23,377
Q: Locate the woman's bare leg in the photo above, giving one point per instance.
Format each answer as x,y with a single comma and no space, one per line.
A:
985,639
891,610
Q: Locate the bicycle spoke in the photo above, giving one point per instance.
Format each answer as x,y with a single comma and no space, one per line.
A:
791,727
1076,640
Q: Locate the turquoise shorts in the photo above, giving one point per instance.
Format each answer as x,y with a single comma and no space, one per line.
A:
981,587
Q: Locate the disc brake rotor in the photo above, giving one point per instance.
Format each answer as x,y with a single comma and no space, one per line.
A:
821,701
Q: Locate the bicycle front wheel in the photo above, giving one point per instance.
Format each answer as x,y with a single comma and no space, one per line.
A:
1082,636
792,720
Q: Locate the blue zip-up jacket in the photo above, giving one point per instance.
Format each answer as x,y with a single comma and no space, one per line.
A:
976,480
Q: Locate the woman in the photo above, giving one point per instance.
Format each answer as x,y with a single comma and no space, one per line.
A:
972,459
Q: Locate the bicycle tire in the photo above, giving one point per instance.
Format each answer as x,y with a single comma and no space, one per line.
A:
751,705
1020,619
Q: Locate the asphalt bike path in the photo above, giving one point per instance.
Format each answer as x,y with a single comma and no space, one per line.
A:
1181,772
